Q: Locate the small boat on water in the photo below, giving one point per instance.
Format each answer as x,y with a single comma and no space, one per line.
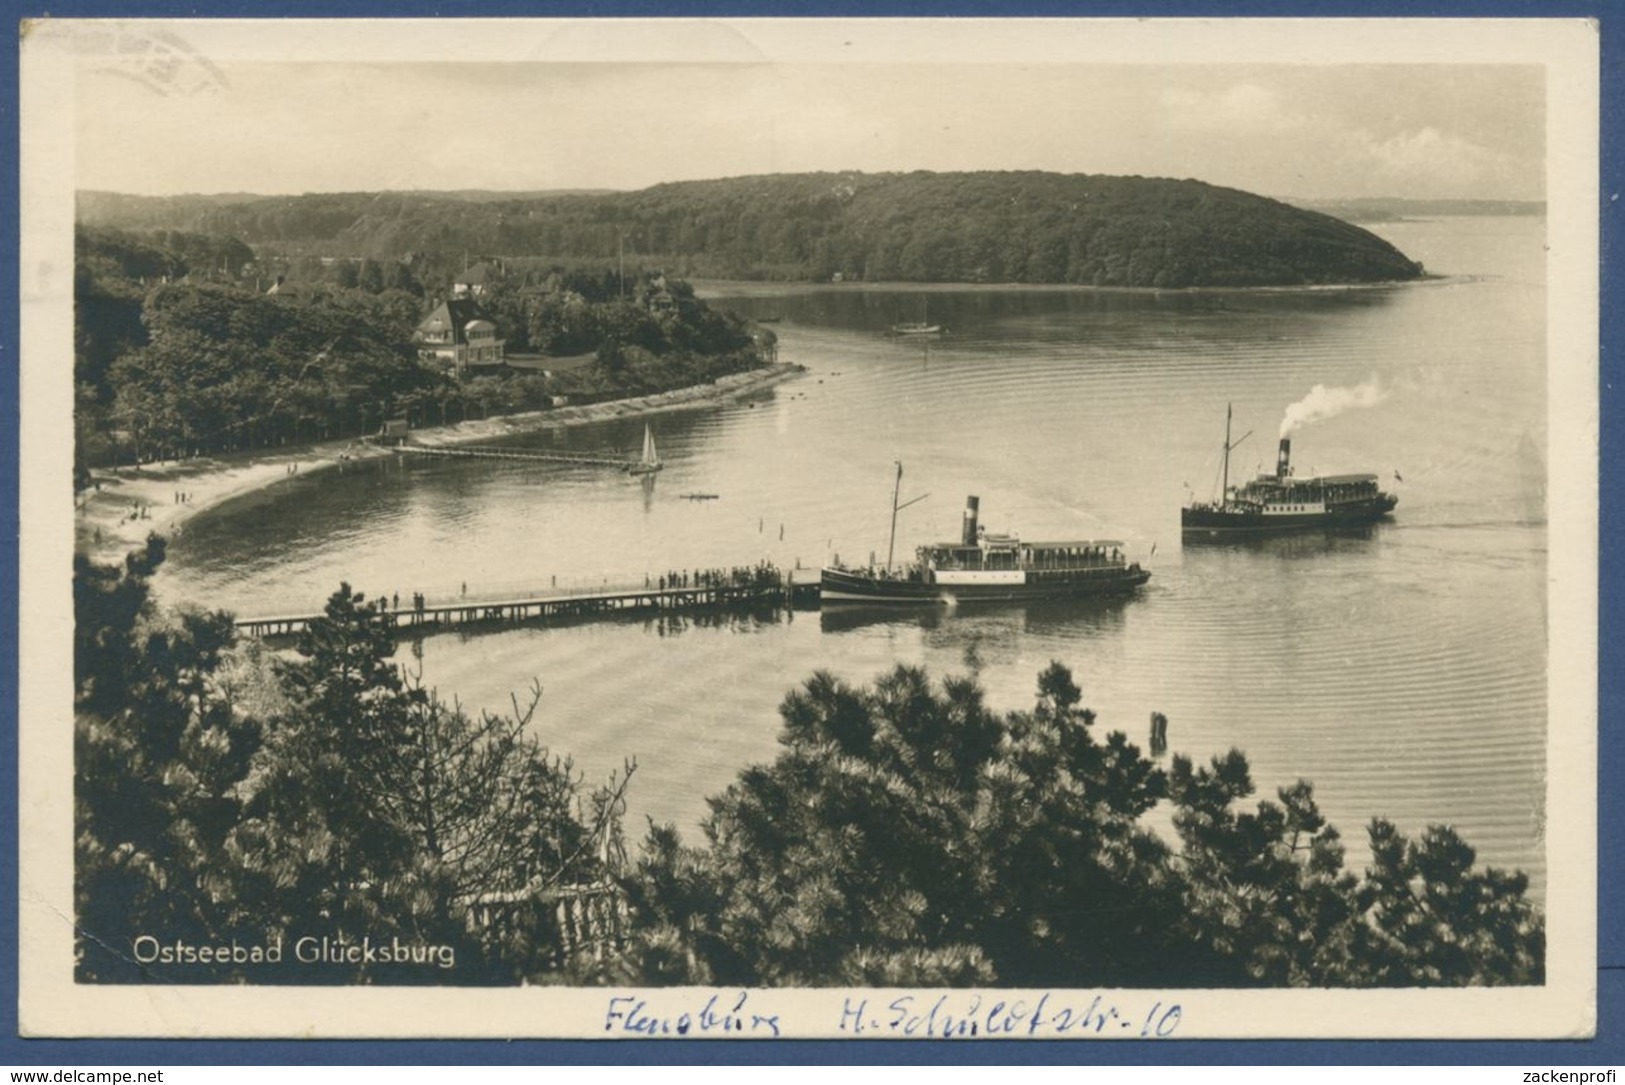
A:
1281,502
923,326
983,567
649,462
701,497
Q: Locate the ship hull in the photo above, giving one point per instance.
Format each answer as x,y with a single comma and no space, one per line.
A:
1218,523
846,586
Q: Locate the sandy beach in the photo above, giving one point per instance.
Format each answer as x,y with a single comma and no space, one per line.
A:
124,505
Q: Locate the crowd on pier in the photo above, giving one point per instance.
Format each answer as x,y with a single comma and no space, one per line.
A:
759,577
764,574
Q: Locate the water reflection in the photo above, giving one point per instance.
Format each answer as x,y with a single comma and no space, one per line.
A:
938,623
728,618
1306,543
969,313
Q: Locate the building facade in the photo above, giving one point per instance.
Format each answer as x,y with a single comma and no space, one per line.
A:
456,336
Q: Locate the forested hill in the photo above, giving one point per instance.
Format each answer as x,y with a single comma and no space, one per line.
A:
916,227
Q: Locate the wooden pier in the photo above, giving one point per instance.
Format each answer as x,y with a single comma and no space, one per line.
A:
527,455
797,588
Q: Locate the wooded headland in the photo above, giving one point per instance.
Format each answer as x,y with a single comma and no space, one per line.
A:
1030,227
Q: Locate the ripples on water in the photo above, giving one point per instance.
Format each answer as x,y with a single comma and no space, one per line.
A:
1402,670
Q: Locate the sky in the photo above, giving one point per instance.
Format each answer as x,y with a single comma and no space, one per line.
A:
599,120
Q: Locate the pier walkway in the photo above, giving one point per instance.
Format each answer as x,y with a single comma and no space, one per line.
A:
481,452
779,589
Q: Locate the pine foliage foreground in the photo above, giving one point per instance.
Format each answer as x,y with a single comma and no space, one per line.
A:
227,798
907,835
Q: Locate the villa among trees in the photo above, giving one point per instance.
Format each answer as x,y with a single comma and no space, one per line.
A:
170,363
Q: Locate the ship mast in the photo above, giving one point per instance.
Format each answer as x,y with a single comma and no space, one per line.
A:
1224,486
897,491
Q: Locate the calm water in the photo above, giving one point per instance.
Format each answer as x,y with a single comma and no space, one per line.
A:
1402,671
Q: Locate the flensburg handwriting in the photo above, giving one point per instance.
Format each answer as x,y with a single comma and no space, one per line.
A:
718,1015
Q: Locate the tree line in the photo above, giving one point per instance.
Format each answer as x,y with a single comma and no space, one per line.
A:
908,834
1024,227
222,793
171,362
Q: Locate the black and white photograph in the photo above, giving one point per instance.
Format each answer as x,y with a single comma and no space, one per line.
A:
861,529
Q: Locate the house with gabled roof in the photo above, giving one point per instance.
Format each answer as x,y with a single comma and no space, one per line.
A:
474,281
458,336
282,288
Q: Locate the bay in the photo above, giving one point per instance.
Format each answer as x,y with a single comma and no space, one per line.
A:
1401,670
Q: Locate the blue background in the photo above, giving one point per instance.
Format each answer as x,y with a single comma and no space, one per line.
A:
1607,1048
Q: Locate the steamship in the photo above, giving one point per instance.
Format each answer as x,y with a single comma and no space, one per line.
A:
983,567
1281,502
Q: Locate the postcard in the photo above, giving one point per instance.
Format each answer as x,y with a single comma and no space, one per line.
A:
1033,529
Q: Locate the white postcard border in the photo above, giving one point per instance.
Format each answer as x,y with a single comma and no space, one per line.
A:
52,1005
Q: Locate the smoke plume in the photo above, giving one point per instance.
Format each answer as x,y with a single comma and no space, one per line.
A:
1323,402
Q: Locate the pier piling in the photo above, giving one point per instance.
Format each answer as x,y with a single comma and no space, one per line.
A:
768,587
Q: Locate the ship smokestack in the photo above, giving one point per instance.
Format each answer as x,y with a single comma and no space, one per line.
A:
971,505
1283,465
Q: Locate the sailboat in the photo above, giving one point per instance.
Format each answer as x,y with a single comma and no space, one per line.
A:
649,463
923,326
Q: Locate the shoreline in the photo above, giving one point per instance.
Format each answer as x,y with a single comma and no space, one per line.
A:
755,289
126,504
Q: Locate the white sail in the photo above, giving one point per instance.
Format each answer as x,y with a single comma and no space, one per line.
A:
650,457
650,461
